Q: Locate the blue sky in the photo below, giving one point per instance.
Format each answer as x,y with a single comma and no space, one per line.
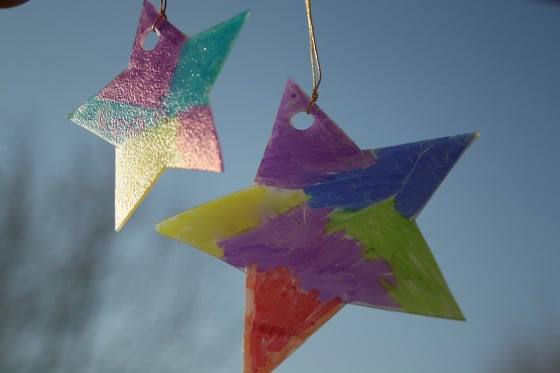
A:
394,72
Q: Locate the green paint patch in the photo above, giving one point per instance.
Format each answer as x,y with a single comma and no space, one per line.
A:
388,235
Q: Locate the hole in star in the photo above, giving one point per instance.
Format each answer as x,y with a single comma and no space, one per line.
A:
150,40
302,121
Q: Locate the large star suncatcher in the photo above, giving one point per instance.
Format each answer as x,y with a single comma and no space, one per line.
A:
325,224
157,112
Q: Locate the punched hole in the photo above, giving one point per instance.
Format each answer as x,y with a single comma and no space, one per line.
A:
150,40
302,121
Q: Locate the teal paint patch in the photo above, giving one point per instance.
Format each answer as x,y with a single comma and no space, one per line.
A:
200,62
114,121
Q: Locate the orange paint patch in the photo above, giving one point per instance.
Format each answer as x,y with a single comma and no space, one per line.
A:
279,317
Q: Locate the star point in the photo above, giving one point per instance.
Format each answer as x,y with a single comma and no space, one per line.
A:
157,112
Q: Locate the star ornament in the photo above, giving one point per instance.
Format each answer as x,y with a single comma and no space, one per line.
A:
157,112
325,224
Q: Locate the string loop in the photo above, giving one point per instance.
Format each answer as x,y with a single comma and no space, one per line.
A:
314,56
162,15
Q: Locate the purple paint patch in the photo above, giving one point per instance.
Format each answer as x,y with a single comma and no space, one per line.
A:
295,158
149,73
330,263
197,140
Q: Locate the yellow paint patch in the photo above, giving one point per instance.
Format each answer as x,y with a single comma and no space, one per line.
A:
139,162
205,225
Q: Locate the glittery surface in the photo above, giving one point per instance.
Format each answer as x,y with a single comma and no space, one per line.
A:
326,222
157,111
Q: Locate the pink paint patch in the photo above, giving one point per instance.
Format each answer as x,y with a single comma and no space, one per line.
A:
146,80
197,141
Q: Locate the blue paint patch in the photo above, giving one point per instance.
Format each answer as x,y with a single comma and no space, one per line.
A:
410,172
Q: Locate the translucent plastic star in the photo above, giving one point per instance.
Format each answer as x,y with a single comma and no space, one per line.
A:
157,112
325,224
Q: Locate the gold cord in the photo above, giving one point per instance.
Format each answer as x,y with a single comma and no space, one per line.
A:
162,15
314,55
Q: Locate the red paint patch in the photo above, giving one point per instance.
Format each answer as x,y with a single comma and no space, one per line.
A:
279,317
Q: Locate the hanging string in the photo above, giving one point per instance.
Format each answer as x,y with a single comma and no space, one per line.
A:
162,15
314,55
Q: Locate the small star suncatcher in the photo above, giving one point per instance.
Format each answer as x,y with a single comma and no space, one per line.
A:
157,112
325,224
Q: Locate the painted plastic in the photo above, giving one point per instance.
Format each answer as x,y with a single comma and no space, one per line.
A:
325,224
157,112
